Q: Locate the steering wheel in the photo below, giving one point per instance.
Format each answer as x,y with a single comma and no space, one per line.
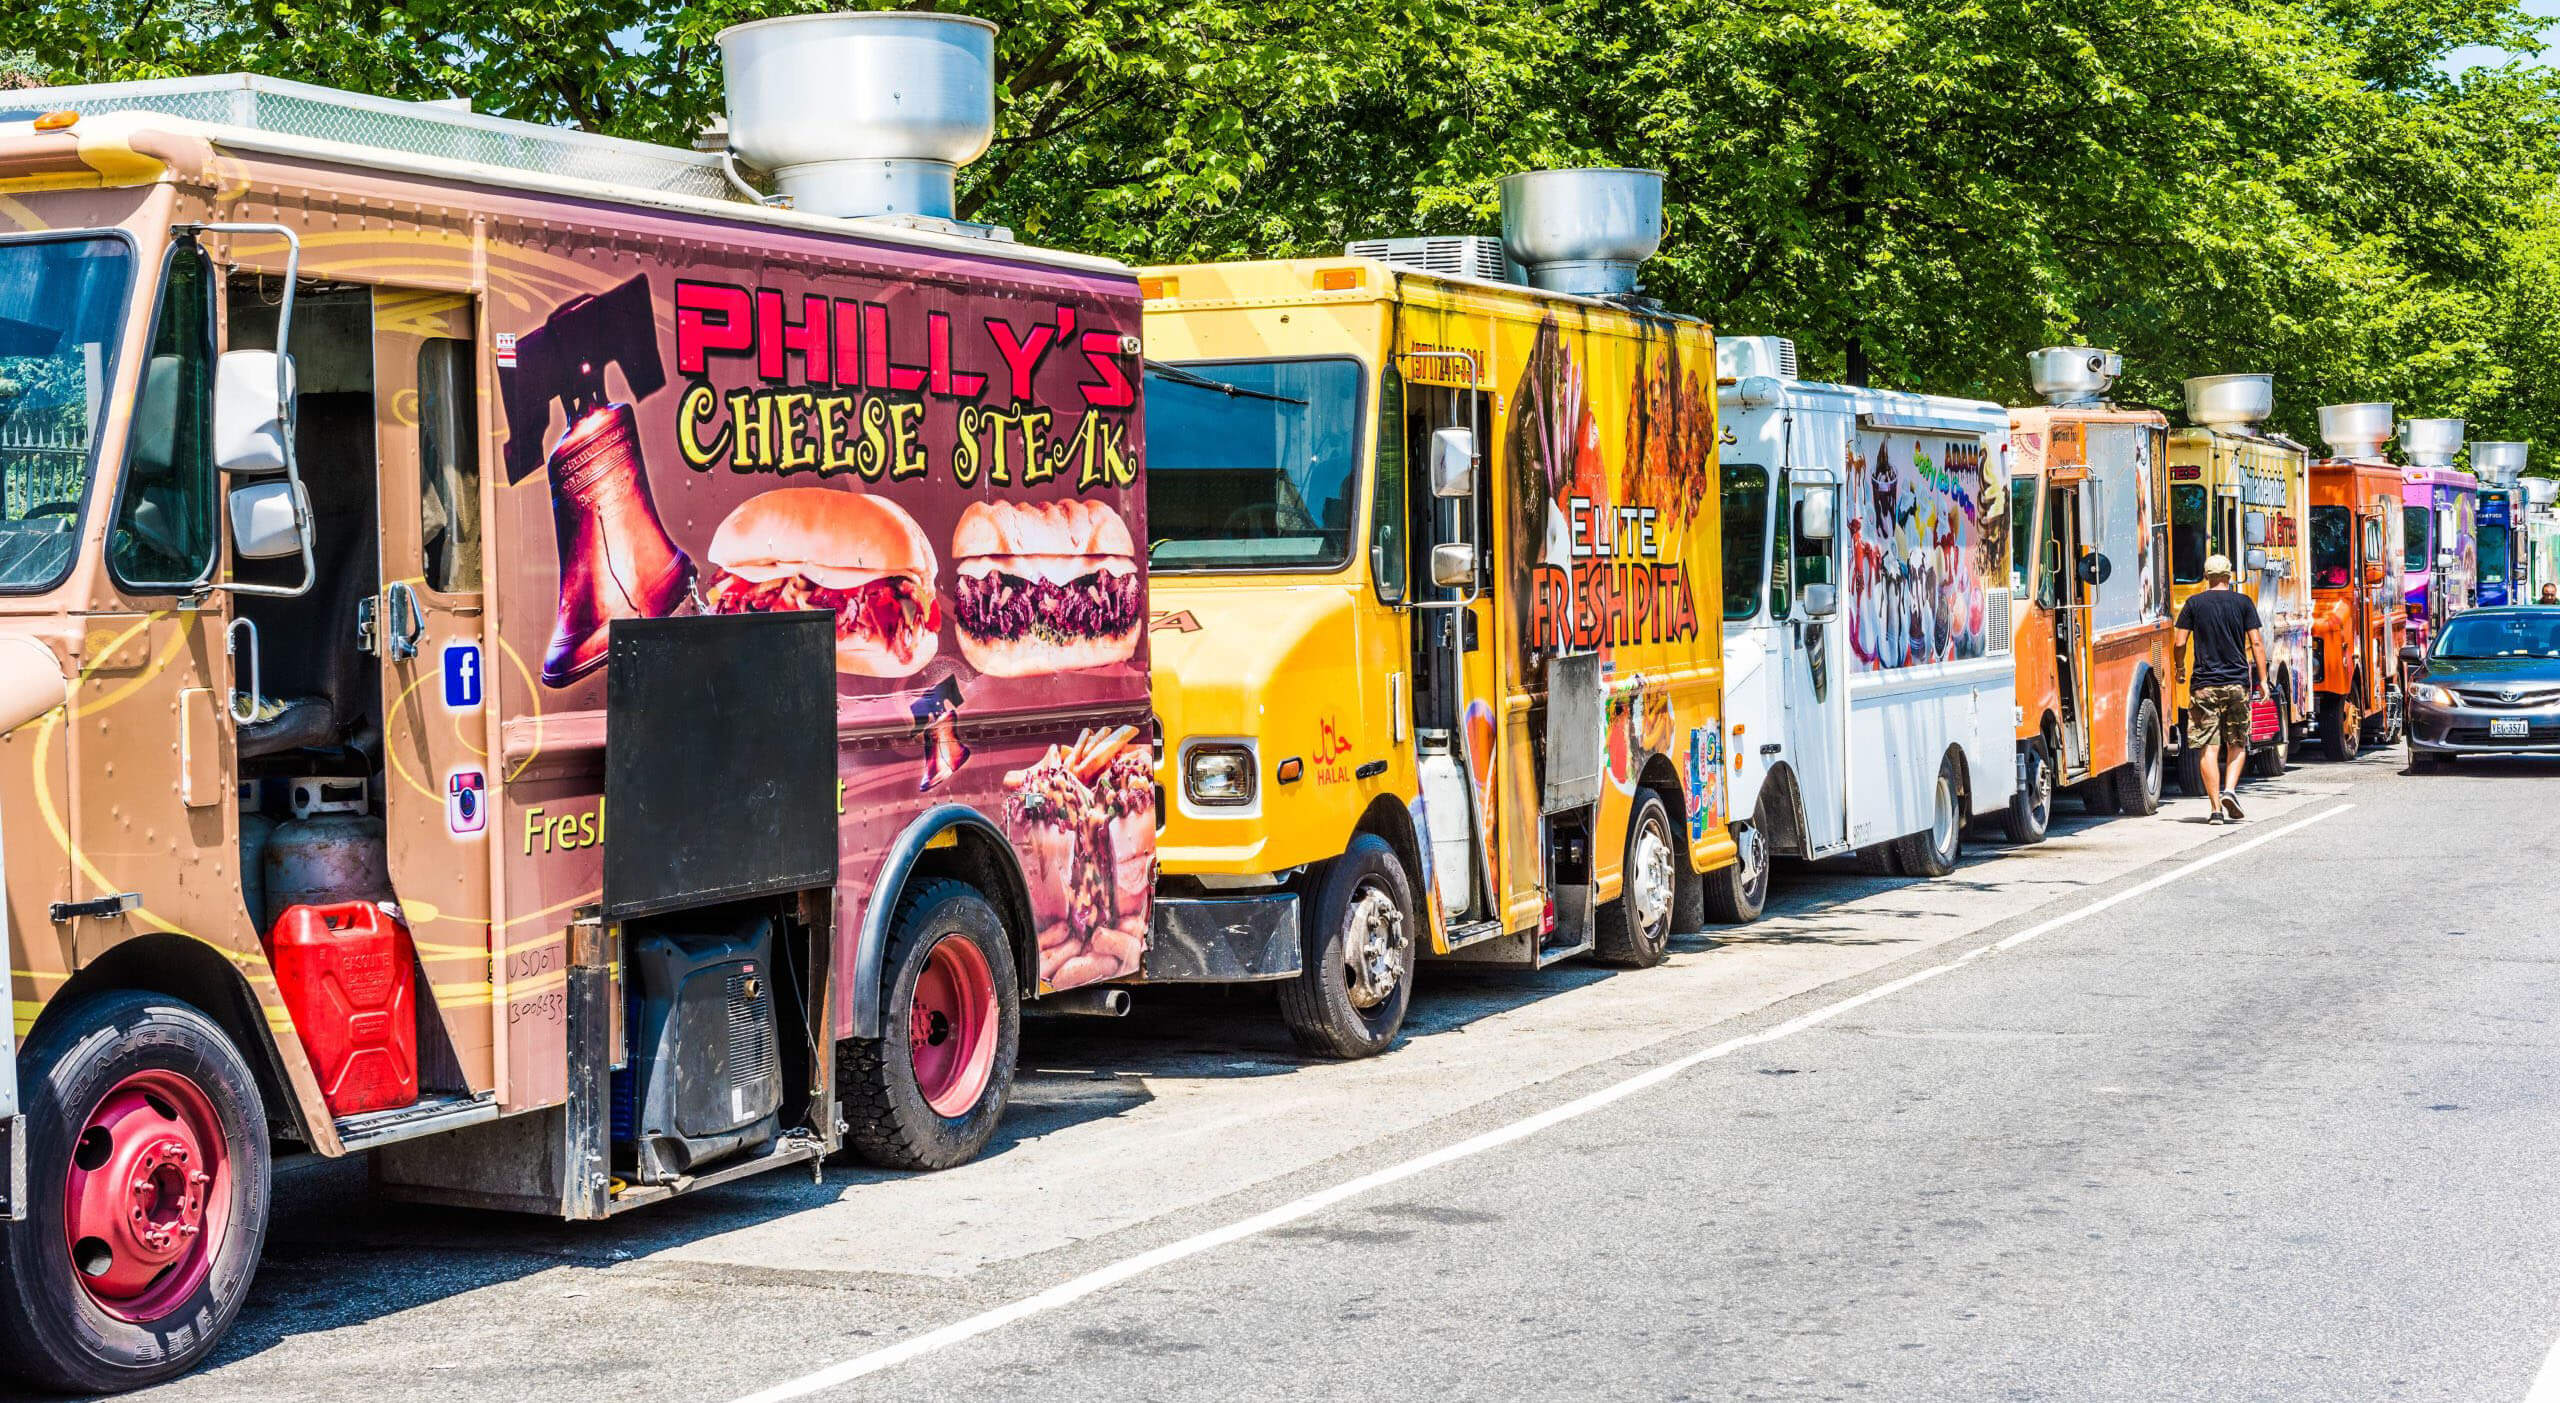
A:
52,509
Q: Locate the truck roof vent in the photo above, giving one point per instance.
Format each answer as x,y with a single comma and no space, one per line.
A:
1741,356
2357,430
1582,232
862,114
2431,443
2230,401
2073,374
2541,491
1449,255
2499,460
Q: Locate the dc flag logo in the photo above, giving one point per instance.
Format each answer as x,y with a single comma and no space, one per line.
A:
466,802
461,676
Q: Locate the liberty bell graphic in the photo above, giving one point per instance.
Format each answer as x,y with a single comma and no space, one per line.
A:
616,560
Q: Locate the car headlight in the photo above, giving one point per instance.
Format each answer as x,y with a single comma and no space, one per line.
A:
1218,775
2434,695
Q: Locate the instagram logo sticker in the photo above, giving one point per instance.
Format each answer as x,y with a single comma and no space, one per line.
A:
466,802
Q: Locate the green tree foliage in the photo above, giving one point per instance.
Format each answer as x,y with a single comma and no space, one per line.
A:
1917,190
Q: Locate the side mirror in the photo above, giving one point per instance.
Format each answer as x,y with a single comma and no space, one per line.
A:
2094,568
2255,558
1453,566
1814,519
1453,465
266,519
2373,572
2413,658
2253,528
252,411
1820,601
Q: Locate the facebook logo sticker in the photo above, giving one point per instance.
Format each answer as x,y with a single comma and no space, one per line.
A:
461,676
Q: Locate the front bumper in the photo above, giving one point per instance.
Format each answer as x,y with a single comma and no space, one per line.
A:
1223,940
2467,730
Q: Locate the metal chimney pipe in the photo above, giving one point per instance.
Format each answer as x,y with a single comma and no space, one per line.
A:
862,114
1582,231
2431,443
2499,460
2239,402
2073,374
2357,430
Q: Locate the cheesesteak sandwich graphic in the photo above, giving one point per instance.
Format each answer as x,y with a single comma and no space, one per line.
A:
1041,589
861,557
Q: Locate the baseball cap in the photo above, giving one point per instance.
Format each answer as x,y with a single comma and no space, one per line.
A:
2217,567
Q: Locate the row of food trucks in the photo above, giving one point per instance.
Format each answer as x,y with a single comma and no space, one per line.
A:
950,626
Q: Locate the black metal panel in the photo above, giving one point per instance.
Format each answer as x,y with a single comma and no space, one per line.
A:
720,759
1223,940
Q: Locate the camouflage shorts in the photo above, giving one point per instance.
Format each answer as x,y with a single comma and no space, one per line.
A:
2218,716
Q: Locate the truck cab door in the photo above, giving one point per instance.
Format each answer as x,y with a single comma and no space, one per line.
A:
426,632
1815,692
2067,546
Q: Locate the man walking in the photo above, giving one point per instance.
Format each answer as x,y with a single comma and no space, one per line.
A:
2220,644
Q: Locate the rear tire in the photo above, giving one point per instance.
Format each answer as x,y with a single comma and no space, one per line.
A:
2190,769
946,1037
1736,895
2030,813
1932,852
2340,738
2137,781
1364,915
140,1083
1634,931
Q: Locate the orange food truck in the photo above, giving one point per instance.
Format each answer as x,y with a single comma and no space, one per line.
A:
803,544
2090,571
2356,602
2240,492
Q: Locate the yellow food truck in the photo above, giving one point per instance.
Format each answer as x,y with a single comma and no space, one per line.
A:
2239,491
1434,558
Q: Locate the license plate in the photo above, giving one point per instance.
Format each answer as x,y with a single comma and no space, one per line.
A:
2508,728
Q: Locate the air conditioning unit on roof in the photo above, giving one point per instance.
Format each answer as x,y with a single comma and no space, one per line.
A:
1449,255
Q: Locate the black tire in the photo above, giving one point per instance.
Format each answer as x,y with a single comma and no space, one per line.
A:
2427,761
889,1122
1623,936
2340,738
1737,895
2097,796
2029,815
52,1332
1323,1006
2190,771
1932,852
2137,782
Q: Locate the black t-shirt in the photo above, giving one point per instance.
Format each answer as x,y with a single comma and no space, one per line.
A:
2219,622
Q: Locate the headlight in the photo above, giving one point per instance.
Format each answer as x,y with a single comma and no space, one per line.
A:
2434,695
1218,774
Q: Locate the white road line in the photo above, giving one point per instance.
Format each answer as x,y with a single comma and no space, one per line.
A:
1104,1278
2546,1384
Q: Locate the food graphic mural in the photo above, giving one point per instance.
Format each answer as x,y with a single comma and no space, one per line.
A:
1087,813
1919,550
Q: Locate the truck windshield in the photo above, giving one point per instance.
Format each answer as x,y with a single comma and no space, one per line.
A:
2493,555
1251,464
2186,534
2419,526
61,303
1746,538
2333,532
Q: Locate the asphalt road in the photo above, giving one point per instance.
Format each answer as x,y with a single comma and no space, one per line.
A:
2235,1114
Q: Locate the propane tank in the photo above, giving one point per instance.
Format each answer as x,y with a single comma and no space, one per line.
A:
256,830
326,860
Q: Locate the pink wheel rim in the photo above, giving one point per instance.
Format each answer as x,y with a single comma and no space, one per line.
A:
951,1026
147,1197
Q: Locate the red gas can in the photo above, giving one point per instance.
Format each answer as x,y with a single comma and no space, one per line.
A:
347,978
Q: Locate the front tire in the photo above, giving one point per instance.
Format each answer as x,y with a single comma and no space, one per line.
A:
2029,816
1634,931
2339,739
2427,761
1356,978
2137,781
148,1156
928,1093
1932,852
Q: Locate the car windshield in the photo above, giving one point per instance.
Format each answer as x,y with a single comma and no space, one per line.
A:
2333,532
62,301
2493,555
1251,464
2419,526
2533,634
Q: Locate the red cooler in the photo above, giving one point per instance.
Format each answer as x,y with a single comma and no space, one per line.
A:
347,978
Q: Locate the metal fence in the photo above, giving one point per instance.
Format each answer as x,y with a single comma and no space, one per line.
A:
41,464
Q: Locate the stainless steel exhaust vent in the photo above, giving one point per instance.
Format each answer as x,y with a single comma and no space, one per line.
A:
2499,460
2431,443
862,114
2357,430
1582,231
2230,401
2073,374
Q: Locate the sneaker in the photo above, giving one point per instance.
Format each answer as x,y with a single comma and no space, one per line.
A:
2216,819
2231,806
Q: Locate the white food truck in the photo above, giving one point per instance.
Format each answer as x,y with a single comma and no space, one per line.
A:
1869,689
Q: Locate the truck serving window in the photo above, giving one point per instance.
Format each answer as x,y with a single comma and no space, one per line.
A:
2332,546
1746,538
2186,534
62,301
1253,465
163,539
2418,529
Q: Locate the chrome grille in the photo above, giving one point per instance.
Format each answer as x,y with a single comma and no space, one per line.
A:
2525,698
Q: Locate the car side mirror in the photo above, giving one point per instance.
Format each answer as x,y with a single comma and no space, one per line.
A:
1820,601
252,411
267,519
2413,658
1453,566
2373,573
1814,519
1453,464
